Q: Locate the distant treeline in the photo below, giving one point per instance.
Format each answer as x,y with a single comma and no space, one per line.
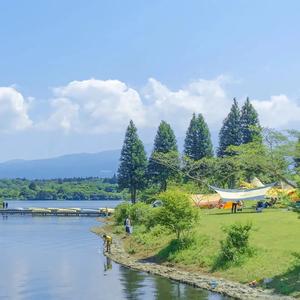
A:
60,189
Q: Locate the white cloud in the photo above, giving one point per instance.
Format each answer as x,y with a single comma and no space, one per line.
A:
107,105
104,106
278,112
96,106
13,110
200,96
64,116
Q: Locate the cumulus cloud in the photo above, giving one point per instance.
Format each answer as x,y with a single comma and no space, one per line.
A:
200,96
96,106
107,105
104,106
278,112
13,110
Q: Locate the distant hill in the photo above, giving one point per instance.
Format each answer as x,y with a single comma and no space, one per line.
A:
102,164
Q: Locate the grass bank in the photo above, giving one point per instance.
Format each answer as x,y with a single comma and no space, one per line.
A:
274,240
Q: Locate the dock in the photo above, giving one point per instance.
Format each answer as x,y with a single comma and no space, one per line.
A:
62,212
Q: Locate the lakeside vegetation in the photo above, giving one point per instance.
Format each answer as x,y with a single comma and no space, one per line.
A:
273,260
60,189
249,247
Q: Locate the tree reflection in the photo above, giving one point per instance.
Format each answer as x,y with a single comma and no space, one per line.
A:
132,282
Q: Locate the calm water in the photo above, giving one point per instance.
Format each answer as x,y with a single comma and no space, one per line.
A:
59,258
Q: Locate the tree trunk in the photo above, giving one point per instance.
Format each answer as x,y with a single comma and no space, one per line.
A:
163,185
133,195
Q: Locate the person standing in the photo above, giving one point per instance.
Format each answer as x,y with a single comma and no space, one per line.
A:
233,207
128,225
6,205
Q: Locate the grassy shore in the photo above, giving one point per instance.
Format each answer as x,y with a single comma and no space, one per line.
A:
274,240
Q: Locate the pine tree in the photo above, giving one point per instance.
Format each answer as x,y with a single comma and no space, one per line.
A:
197,143
250,128
164,143
230,133
133,163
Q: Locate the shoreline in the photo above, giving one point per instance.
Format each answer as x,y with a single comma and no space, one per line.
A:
214,284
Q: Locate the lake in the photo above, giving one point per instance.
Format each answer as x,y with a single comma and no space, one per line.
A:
59,258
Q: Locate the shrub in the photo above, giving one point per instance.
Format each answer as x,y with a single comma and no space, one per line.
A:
121,212
177,213
140,213
149,195
236,243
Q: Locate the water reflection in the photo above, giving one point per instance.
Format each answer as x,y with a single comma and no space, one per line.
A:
107,264
58,258
133,283
141,286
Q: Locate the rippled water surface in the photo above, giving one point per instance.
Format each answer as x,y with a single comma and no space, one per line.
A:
59,258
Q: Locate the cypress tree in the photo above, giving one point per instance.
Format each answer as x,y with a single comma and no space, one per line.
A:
250,127
133,163
230,133
165,143
197,143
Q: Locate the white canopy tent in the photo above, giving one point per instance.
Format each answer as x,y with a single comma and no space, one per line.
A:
239,194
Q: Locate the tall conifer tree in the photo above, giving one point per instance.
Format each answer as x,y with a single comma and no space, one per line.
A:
230,133
133,162
197,142
164,143
250,127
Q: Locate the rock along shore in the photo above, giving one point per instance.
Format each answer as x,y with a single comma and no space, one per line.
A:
219,285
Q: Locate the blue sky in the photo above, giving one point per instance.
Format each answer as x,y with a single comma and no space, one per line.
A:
74,71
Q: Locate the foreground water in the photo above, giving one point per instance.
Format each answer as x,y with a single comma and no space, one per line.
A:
59,258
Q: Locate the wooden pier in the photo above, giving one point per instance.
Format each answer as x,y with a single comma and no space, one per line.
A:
63,212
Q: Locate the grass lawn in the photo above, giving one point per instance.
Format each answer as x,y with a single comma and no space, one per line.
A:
275,239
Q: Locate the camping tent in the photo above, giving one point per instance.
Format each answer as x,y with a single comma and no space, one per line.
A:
239,194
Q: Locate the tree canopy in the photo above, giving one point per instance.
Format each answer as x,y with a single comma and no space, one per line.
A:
197,142
250,127
230,133
133,162
165,142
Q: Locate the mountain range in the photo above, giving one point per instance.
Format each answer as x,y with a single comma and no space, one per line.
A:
101,164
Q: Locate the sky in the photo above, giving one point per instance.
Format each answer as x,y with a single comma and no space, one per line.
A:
73,73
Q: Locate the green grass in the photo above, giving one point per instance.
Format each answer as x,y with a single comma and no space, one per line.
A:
275,239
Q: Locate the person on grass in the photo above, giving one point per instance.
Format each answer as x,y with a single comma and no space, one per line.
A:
127,224
233,207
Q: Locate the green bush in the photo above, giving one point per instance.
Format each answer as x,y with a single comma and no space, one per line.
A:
177,213
121,212
236,244
149,195
140,214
